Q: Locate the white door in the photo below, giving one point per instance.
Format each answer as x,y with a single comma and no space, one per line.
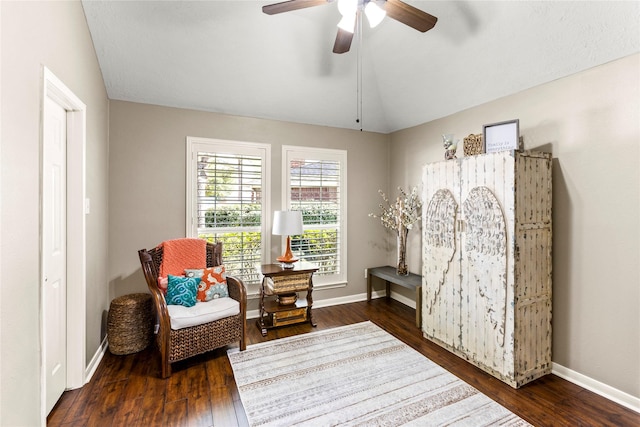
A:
54,250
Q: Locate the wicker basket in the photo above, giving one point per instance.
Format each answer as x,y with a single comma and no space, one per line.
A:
287,299
473,145
288,283
130,323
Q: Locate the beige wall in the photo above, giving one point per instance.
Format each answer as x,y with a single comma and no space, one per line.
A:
53,34
591,123
147,182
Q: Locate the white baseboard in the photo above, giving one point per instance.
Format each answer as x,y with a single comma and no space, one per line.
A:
396,296
340,300
95,360
597,387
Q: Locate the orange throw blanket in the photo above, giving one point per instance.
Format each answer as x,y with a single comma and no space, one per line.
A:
179,254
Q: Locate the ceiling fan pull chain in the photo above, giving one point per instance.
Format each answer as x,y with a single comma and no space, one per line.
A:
359,71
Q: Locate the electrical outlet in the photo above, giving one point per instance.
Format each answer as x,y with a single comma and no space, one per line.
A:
365,272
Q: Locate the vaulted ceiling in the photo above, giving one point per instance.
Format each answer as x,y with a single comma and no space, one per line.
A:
229,57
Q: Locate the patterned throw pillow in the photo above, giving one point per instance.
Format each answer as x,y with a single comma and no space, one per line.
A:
182,290
213,284
194,272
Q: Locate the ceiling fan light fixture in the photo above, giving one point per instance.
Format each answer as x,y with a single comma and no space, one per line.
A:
348,23
347,7
375,14
352,11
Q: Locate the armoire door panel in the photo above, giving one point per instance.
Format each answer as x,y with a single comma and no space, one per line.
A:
484,277
441,312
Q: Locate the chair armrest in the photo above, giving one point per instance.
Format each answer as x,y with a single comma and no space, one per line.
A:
238,292
162,310
159,302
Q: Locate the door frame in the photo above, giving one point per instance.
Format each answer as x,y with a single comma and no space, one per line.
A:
57,91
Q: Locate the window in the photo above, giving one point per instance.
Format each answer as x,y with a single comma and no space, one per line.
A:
228,201
314,182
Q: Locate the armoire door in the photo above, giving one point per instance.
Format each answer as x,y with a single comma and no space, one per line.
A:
486,193
441,257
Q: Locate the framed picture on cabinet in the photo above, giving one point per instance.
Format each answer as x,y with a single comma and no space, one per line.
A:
501,136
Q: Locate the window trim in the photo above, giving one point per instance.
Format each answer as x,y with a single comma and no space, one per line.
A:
195,144
313,153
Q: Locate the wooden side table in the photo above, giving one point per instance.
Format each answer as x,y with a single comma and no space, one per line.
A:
279,305
388,274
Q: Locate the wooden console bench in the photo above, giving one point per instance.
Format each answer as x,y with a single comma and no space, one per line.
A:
388,274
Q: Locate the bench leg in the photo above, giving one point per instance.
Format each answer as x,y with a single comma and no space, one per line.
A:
419,307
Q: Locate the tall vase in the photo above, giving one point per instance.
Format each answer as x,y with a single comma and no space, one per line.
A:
401,268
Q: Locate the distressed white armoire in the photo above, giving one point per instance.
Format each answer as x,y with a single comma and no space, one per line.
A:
486,249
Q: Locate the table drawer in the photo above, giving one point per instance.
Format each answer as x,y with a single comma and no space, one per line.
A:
295,315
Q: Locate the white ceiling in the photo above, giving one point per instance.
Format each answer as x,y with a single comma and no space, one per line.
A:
229,57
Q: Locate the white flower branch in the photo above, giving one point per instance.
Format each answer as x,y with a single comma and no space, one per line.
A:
403,213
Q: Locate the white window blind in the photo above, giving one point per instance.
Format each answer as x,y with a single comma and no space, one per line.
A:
315,185
230,201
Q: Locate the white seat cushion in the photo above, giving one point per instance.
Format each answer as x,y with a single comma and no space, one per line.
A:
202,312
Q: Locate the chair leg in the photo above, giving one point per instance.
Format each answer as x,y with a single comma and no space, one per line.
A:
164,341
166,368
243,342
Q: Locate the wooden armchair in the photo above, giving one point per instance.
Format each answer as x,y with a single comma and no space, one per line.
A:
180,344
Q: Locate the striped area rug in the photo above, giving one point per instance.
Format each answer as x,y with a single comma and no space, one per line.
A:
355,375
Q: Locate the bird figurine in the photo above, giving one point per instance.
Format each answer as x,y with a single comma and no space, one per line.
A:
450,146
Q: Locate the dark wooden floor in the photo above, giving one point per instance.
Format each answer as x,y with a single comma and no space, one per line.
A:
127,390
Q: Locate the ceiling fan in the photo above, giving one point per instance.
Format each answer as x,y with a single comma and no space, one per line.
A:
375,11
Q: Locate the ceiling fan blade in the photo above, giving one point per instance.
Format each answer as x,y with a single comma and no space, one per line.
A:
343,41
409,15
287,6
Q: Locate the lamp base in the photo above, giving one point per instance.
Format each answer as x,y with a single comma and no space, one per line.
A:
287,259
287,262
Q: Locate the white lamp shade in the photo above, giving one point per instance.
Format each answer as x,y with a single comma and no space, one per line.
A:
287,223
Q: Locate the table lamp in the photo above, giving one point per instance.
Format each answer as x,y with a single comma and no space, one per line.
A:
287,223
